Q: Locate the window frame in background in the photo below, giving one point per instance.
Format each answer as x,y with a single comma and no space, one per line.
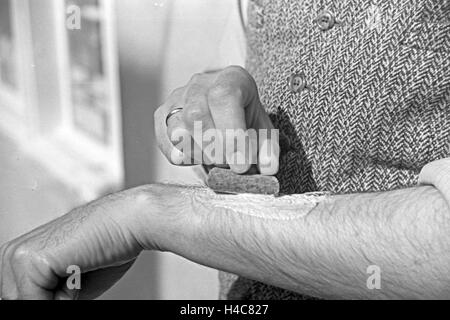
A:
16,109
104,158
45,131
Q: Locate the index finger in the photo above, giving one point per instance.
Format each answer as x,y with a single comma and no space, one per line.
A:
233,90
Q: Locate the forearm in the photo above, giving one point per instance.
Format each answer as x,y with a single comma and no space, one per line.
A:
322,249
313,244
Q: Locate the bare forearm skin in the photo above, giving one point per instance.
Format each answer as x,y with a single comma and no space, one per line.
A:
319,245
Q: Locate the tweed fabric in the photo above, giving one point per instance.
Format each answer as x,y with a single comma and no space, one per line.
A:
378,106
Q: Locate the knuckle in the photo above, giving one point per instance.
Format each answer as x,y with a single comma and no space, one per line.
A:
194,92
196,77
178,92
223,92
238,72
174,98
20,254
193,112
220,91
236,69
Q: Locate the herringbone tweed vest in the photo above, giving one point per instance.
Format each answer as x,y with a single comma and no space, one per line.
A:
376,107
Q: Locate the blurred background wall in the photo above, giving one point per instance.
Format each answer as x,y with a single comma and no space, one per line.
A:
76,111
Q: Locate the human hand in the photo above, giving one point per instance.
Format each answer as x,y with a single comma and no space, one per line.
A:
227,106
97,238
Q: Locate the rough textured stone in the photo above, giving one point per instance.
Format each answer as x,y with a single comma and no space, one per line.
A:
224,180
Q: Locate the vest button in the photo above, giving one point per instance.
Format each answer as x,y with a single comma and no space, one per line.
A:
297,82
325,21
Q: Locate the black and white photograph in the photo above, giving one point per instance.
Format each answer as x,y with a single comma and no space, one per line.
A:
224,153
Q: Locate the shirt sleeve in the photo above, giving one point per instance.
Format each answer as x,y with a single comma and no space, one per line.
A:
437,174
